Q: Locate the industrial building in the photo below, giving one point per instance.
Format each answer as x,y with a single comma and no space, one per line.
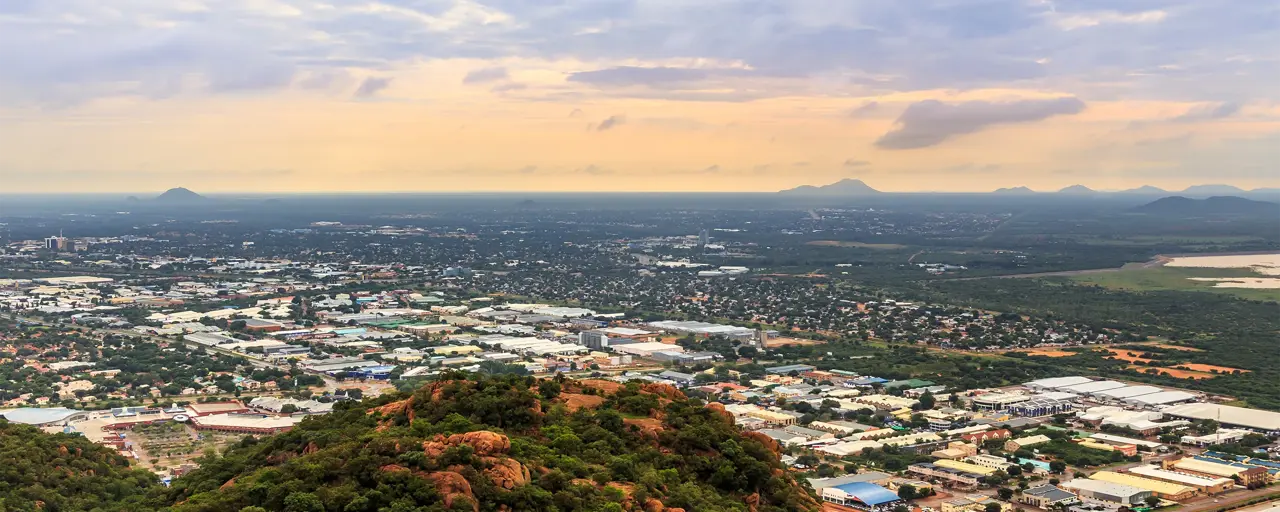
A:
1107,492
1047,497
1159,488
1228,416
704,329
966,467
1056,383
1014,445
646,349
1249,476
242,423
998,401
862,496
1202,484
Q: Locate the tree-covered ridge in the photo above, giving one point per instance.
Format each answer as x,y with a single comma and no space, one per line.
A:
64,472
504,443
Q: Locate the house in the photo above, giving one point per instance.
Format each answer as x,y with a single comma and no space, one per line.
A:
973,503
680,379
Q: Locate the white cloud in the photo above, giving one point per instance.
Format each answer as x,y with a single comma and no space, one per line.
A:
1084,20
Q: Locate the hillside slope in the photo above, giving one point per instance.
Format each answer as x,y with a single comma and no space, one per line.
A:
64,472
504,444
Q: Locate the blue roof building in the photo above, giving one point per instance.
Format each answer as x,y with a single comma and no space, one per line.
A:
862,496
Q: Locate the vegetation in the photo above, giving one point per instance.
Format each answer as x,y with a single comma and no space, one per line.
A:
62,472
491,442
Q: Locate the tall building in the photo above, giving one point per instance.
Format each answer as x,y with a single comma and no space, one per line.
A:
56,243
703,238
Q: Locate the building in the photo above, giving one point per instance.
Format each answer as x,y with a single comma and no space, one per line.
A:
1014,445
646,349
862,496
208,408
1248,476
1222,436
787,369
1228,416
1056,383
949,476
989,461
966,467
1047,497
1162,398
1121,440
998,401
972,503
1202,484
1127,449
1159,488
956,450
989,435
42,417
242,423
1106,492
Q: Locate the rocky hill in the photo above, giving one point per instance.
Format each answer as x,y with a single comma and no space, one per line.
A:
1217,205
504,444
64,472
845,187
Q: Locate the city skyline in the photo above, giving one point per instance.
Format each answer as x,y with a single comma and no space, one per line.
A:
283,95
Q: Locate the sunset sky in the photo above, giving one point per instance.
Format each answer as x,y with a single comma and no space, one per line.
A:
661,95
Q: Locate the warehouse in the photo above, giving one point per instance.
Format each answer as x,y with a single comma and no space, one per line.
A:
704,329
1056,383
1242,474
1161,489
1202,484
1161,398
646,349
245,423
1228,416
1047,497
1089,388
1107,492
862,496
1127,392
998,401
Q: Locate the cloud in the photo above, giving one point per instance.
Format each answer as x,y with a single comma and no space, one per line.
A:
528,169
371,86
1208,112
577,112
510,86
711,169
631,75
931,122
611,122
864,110
595,170
856,163
486,75
1093,19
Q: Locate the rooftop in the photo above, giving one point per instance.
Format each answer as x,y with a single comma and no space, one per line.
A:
1226,414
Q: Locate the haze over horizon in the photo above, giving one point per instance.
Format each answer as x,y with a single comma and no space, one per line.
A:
635,95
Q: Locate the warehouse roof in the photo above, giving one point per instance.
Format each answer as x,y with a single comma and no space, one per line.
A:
1093,387
1228,415
868,493
1058,382
1156,486
1129,391
38,416
1162,398
1182,478
1103,487
1212,468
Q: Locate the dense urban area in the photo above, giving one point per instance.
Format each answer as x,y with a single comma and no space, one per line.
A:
946,357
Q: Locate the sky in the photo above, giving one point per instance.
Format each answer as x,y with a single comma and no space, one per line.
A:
636,95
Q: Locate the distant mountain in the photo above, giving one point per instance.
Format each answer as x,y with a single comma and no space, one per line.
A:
1216,205
1077,189
176,195
1145,189
845,187
1014,190
1266,190
1211,190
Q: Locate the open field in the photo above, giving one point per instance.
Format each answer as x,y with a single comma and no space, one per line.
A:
1175,347
859,245
786,342
1047,352
1210,368
1171,278
1174,372
1128,355
1268,264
